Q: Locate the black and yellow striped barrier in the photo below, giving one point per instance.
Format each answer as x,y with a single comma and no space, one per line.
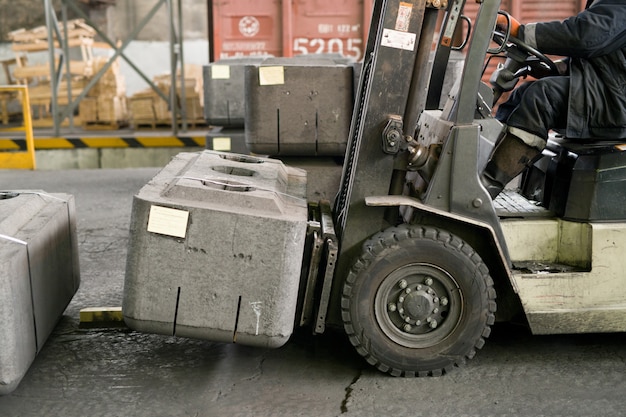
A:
105,142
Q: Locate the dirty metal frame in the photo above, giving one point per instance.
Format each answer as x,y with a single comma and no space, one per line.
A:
176,55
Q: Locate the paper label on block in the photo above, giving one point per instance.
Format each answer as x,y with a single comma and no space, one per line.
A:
399,40
220,72
221,144
168,221
271,75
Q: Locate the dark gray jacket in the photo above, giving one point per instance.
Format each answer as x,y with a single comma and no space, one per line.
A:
595,39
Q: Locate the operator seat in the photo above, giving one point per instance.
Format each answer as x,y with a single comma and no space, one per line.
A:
580,180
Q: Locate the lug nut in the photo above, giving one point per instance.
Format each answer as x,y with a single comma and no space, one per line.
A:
433,324
401,299
407,291
407,327
429,281
407,319
444,301
402,283
392,307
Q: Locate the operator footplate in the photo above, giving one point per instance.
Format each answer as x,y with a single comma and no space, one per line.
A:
510,203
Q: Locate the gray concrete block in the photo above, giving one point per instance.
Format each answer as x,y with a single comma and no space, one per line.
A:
323,175
298,107
224,98
139,157
215,249
226,140
39,275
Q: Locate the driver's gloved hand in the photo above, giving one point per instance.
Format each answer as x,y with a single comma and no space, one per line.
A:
539,69
502,23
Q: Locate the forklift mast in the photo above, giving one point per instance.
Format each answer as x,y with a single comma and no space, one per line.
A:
394,87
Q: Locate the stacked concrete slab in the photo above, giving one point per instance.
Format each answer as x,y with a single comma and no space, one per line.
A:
299,107
39,275
215,249
225,104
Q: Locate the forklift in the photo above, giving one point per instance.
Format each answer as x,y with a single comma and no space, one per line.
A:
413,259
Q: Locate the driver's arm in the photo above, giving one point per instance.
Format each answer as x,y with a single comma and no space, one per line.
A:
596,31
538,70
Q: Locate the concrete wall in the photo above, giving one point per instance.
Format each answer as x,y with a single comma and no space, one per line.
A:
22,14
126,15
152,57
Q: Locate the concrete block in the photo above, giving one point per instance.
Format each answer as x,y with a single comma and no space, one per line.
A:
298,107
139,157
215,249
224,97
39,275
323,175
226,140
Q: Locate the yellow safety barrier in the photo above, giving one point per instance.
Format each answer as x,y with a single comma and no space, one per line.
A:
20,159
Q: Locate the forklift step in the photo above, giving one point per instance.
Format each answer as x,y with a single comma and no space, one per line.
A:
510,203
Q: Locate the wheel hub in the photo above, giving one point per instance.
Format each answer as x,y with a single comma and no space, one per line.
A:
418,304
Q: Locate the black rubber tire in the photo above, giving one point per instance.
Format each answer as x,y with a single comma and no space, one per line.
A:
413,254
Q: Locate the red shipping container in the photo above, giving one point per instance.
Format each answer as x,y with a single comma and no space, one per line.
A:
288,28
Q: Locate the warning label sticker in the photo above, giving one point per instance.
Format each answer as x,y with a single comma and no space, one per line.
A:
404,17
398,40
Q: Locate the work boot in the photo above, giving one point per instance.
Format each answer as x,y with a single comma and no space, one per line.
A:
509,158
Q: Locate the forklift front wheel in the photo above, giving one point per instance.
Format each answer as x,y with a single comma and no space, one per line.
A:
418,302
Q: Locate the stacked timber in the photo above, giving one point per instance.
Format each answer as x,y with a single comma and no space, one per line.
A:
105,103
148,109
105,106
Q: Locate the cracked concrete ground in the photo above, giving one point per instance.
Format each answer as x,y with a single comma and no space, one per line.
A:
117,372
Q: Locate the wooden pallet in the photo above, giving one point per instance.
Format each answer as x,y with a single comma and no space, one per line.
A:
144,124
103,125
76,28
48,122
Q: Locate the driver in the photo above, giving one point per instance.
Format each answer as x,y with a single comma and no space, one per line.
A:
586,99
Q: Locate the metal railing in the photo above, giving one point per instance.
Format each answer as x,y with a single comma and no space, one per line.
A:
17,158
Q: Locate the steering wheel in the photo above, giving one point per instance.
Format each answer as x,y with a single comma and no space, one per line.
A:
505,39
524,47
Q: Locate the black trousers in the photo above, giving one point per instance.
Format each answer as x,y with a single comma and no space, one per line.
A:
537,106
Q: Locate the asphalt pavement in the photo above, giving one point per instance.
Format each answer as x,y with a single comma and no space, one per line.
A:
118,372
